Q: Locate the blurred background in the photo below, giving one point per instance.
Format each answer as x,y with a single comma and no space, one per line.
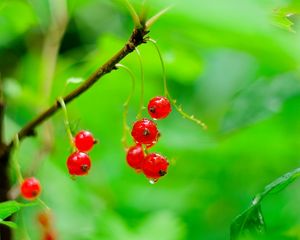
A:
234,64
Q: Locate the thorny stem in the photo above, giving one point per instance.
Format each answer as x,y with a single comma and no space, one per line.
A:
139,115
136,38
125,105
167,93
67,123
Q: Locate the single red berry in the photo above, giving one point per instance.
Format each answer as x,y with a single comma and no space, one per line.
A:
48,235
78,163
155,166
44,219
159,107
30,188
135,156
145,131
84,141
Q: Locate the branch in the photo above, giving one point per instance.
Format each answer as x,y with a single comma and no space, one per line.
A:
137,37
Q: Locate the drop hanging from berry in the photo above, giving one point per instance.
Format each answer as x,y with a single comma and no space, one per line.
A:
155,166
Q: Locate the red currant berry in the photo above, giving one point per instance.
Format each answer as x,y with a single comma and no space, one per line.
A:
79,163
30,188
44,219
84,141
159,107
49,236
135,157
145,131
155,166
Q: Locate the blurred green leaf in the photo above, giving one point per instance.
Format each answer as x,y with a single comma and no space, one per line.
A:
281,19
8,208
8,223
16,17
252,220
262,99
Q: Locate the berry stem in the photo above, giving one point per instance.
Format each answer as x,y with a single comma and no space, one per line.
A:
126,104
167,93
67,123
15,159
43,204
139,115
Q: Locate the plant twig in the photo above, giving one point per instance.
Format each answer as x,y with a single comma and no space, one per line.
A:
67,123
137,37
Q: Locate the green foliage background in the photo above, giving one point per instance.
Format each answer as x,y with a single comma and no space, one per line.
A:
232,63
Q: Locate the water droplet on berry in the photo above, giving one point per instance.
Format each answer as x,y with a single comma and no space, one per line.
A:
152,181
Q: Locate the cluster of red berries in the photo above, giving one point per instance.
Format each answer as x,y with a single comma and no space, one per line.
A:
79,162
145,135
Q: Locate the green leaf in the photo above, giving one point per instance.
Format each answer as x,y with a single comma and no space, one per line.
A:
251,220
8,223
281,19
8,208
16,17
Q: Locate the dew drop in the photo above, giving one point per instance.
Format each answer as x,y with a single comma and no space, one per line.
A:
152,181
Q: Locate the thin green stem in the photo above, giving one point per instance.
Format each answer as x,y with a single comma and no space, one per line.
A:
167,93
126,104
15,160
139,115
66,122
43,204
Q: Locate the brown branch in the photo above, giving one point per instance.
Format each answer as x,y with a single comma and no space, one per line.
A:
137,37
